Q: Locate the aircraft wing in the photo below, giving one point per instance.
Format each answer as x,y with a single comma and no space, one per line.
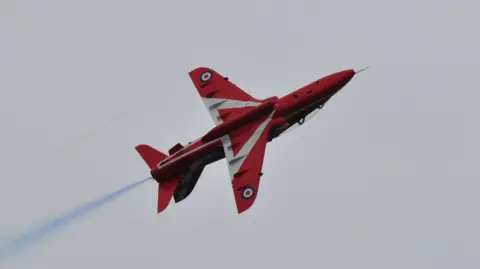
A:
222,98
244,152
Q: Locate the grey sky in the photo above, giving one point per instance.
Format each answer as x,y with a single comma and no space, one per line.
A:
386,176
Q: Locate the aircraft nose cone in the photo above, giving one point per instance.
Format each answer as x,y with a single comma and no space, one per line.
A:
341,78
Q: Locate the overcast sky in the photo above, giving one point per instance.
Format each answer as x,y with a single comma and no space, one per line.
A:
385,176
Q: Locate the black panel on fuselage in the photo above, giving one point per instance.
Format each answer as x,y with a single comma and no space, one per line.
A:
187,183
189,179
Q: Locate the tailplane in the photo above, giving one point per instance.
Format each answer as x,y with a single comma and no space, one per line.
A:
150,155
165,193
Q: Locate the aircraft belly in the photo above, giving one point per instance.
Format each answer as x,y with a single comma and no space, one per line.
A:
187,184
189,179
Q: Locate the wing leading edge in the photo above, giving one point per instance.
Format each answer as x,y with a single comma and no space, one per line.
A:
244,152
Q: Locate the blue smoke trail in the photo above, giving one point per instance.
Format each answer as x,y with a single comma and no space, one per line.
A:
22,242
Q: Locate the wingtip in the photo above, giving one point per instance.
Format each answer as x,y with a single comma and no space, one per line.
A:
200,69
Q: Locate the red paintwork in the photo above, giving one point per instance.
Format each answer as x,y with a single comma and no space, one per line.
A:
240,124
228,89
254,164
236,122
175,149
183,159
321,88
230,113
151,156
165,192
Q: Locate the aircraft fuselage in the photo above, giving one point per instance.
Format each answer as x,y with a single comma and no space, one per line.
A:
190,160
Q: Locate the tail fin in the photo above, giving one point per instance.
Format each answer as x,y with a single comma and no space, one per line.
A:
150,155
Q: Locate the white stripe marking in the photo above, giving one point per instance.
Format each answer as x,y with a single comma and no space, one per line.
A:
234,164
214,104
186,154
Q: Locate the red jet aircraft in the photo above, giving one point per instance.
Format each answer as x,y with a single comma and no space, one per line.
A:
244,126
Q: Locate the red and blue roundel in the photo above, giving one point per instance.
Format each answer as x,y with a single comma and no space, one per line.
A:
206,76
248,192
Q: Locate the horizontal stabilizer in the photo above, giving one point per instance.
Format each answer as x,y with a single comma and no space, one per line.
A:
150,155
165,193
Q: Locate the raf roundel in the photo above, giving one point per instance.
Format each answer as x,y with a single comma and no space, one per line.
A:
248,192
206,76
